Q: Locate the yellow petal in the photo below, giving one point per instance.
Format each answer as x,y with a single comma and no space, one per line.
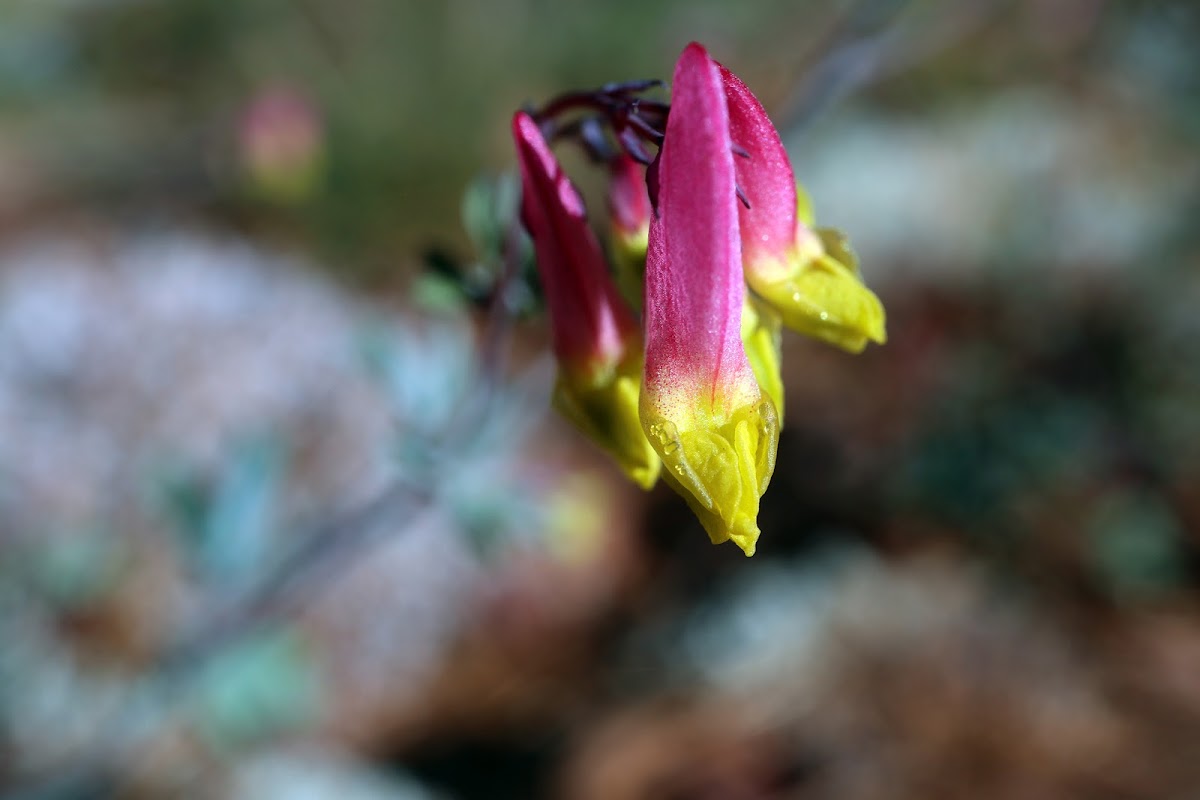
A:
823,298
605,409
721,467
836,245
761,337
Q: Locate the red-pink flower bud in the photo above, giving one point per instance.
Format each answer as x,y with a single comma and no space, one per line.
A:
596,339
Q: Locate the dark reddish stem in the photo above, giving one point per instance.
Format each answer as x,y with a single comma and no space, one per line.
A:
634,122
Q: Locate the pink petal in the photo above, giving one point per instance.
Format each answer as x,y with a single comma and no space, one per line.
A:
766,178
627,197
694,283
589,321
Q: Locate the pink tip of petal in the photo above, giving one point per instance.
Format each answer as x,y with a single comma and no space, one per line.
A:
765,176
590,322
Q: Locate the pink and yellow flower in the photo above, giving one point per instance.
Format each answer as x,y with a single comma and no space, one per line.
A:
701,407
596,339
806,276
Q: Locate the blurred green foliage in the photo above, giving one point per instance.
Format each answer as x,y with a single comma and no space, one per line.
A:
228,523
256,688
138,101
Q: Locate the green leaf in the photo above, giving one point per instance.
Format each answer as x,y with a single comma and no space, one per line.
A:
1137,545
260,687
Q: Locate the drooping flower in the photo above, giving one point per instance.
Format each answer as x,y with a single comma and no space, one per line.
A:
629,209
718,208
701,405
807,276
596,339
281,141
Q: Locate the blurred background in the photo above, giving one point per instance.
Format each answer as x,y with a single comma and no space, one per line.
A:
283,513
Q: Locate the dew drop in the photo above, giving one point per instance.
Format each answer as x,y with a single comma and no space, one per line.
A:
824,315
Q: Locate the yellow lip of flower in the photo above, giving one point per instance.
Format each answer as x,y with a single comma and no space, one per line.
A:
821,296
721,465
604,407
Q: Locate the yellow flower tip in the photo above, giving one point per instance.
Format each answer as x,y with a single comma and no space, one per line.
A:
721,467
824,298
604,407
748,543
632,244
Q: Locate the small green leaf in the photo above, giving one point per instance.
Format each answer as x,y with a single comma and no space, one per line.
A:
1137,545
259,687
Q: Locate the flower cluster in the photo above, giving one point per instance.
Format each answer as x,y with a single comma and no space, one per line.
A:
692,393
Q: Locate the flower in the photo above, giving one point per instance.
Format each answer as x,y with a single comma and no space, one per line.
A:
281,142
596,338
629,209
701,406
718,209
808,277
